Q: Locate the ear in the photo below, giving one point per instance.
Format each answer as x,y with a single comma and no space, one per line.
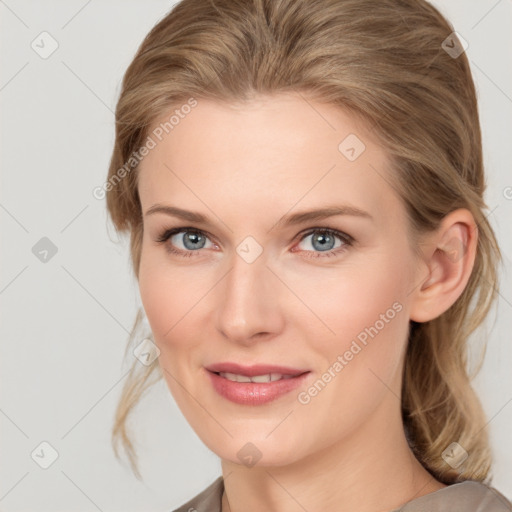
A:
448,256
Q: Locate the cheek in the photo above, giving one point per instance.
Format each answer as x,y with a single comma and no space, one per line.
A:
174,298
366,309
166,295
343,302
156,297
360,314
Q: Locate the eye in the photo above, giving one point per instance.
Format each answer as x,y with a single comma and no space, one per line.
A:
186,241
190,239
323,242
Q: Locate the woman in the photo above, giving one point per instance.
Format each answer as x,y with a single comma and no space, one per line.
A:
303,185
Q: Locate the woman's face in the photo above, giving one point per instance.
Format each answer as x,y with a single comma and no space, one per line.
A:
255,283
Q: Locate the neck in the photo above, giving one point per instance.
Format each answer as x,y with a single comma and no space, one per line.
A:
372,469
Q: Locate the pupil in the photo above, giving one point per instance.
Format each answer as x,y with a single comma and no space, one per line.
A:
191,239
323,239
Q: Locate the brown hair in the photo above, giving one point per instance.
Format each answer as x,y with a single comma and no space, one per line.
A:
384,61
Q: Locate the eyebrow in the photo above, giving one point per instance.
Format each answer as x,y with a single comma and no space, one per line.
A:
286,220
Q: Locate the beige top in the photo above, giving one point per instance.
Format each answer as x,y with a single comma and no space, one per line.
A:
468,496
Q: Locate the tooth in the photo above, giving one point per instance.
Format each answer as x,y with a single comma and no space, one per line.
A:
229,376
261,378
269,377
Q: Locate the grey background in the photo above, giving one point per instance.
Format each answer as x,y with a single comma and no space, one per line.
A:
65,321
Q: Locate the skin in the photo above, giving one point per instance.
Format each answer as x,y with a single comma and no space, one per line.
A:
245,166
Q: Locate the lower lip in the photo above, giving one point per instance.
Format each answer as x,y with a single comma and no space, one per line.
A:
254,393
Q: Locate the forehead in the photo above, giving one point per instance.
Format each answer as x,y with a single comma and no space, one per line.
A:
274,151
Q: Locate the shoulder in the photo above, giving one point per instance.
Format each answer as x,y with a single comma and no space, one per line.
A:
467,496
208,500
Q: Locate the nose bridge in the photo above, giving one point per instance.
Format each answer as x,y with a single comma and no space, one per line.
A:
248,305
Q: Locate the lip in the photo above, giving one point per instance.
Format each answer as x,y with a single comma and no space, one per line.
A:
255,369
254,393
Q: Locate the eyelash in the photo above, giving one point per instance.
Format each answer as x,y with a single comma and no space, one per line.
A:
346,239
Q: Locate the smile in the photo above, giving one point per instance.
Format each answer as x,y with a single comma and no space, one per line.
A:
254,390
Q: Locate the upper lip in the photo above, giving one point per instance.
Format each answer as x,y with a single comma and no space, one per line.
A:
256,369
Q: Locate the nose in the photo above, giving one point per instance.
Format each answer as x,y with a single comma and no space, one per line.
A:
249,302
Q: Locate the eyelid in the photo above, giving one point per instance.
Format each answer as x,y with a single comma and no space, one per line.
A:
319,229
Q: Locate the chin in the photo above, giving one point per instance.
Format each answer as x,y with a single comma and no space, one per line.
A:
256,452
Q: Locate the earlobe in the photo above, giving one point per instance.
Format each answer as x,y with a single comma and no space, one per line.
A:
447,265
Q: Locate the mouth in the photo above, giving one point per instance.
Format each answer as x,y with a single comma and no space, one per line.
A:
265,377
254,386
255,370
